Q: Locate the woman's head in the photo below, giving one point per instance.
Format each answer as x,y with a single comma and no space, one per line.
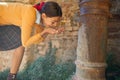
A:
51,13
51,9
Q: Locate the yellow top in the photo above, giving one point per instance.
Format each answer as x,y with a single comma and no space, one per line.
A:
24,16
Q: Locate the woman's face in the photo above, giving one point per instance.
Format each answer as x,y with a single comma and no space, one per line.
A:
50,21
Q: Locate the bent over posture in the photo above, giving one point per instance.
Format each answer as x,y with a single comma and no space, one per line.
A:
16,24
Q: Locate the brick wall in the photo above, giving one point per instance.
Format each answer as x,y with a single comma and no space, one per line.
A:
114,38
114,30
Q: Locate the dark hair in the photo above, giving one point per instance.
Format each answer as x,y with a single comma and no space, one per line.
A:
51,9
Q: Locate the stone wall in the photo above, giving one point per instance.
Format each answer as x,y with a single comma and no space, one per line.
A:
114,38
114,30
66,42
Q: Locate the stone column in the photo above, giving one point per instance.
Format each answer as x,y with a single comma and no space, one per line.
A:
92,39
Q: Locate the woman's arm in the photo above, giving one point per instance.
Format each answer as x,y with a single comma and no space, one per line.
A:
28,19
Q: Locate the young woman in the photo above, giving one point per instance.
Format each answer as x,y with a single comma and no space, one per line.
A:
16,25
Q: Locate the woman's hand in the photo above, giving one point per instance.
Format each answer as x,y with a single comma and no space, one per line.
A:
47,31
50,31
61,29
